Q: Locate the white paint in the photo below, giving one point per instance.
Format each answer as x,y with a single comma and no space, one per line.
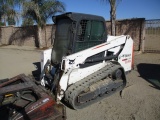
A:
45,56
72,72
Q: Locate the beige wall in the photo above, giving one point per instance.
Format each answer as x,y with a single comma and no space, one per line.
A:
27,36
133,27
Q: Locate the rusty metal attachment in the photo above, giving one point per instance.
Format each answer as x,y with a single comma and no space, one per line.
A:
22,99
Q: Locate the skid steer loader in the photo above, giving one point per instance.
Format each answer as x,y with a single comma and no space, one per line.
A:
85,64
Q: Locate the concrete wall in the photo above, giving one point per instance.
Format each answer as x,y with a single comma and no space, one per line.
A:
27,36
133,27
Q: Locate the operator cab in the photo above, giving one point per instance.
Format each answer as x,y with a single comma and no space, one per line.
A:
76,32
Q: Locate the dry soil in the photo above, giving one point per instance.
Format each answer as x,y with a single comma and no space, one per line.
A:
140,100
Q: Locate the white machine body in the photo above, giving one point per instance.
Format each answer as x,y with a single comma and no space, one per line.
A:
70,64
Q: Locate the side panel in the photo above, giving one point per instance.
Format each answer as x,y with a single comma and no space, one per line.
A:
78,74
125,58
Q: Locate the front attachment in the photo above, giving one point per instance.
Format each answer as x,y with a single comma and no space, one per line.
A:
22,99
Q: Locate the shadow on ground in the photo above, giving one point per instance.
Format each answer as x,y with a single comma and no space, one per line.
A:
151,73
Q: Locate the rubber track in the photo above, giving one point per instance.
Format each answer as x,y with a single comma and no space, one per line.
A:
73,91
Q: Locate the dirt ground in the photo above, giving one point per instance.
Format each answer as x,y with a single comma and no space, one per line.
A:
140,100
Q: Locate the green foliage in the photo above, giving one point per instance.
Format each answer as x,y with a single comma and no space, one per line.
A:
7,11
38,11
11,21
41,10
27,22
1,24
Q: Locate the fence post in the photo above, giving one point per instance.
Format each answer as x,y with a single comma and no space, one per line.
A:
143,36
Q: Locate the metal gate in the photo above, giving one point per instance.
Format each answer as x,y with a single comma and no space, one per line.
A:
152,36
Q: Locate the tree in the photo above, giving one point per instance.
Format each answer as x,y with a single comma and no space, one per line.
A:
11,21
7,11
27,22
1,23
40,11
113,6
113,16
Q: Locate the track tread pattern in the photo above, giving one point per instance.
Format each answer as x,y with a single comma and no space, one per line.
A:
73,91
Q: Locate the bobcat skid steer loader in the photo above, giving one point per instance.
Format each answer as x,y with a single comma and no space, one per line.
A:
85,64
